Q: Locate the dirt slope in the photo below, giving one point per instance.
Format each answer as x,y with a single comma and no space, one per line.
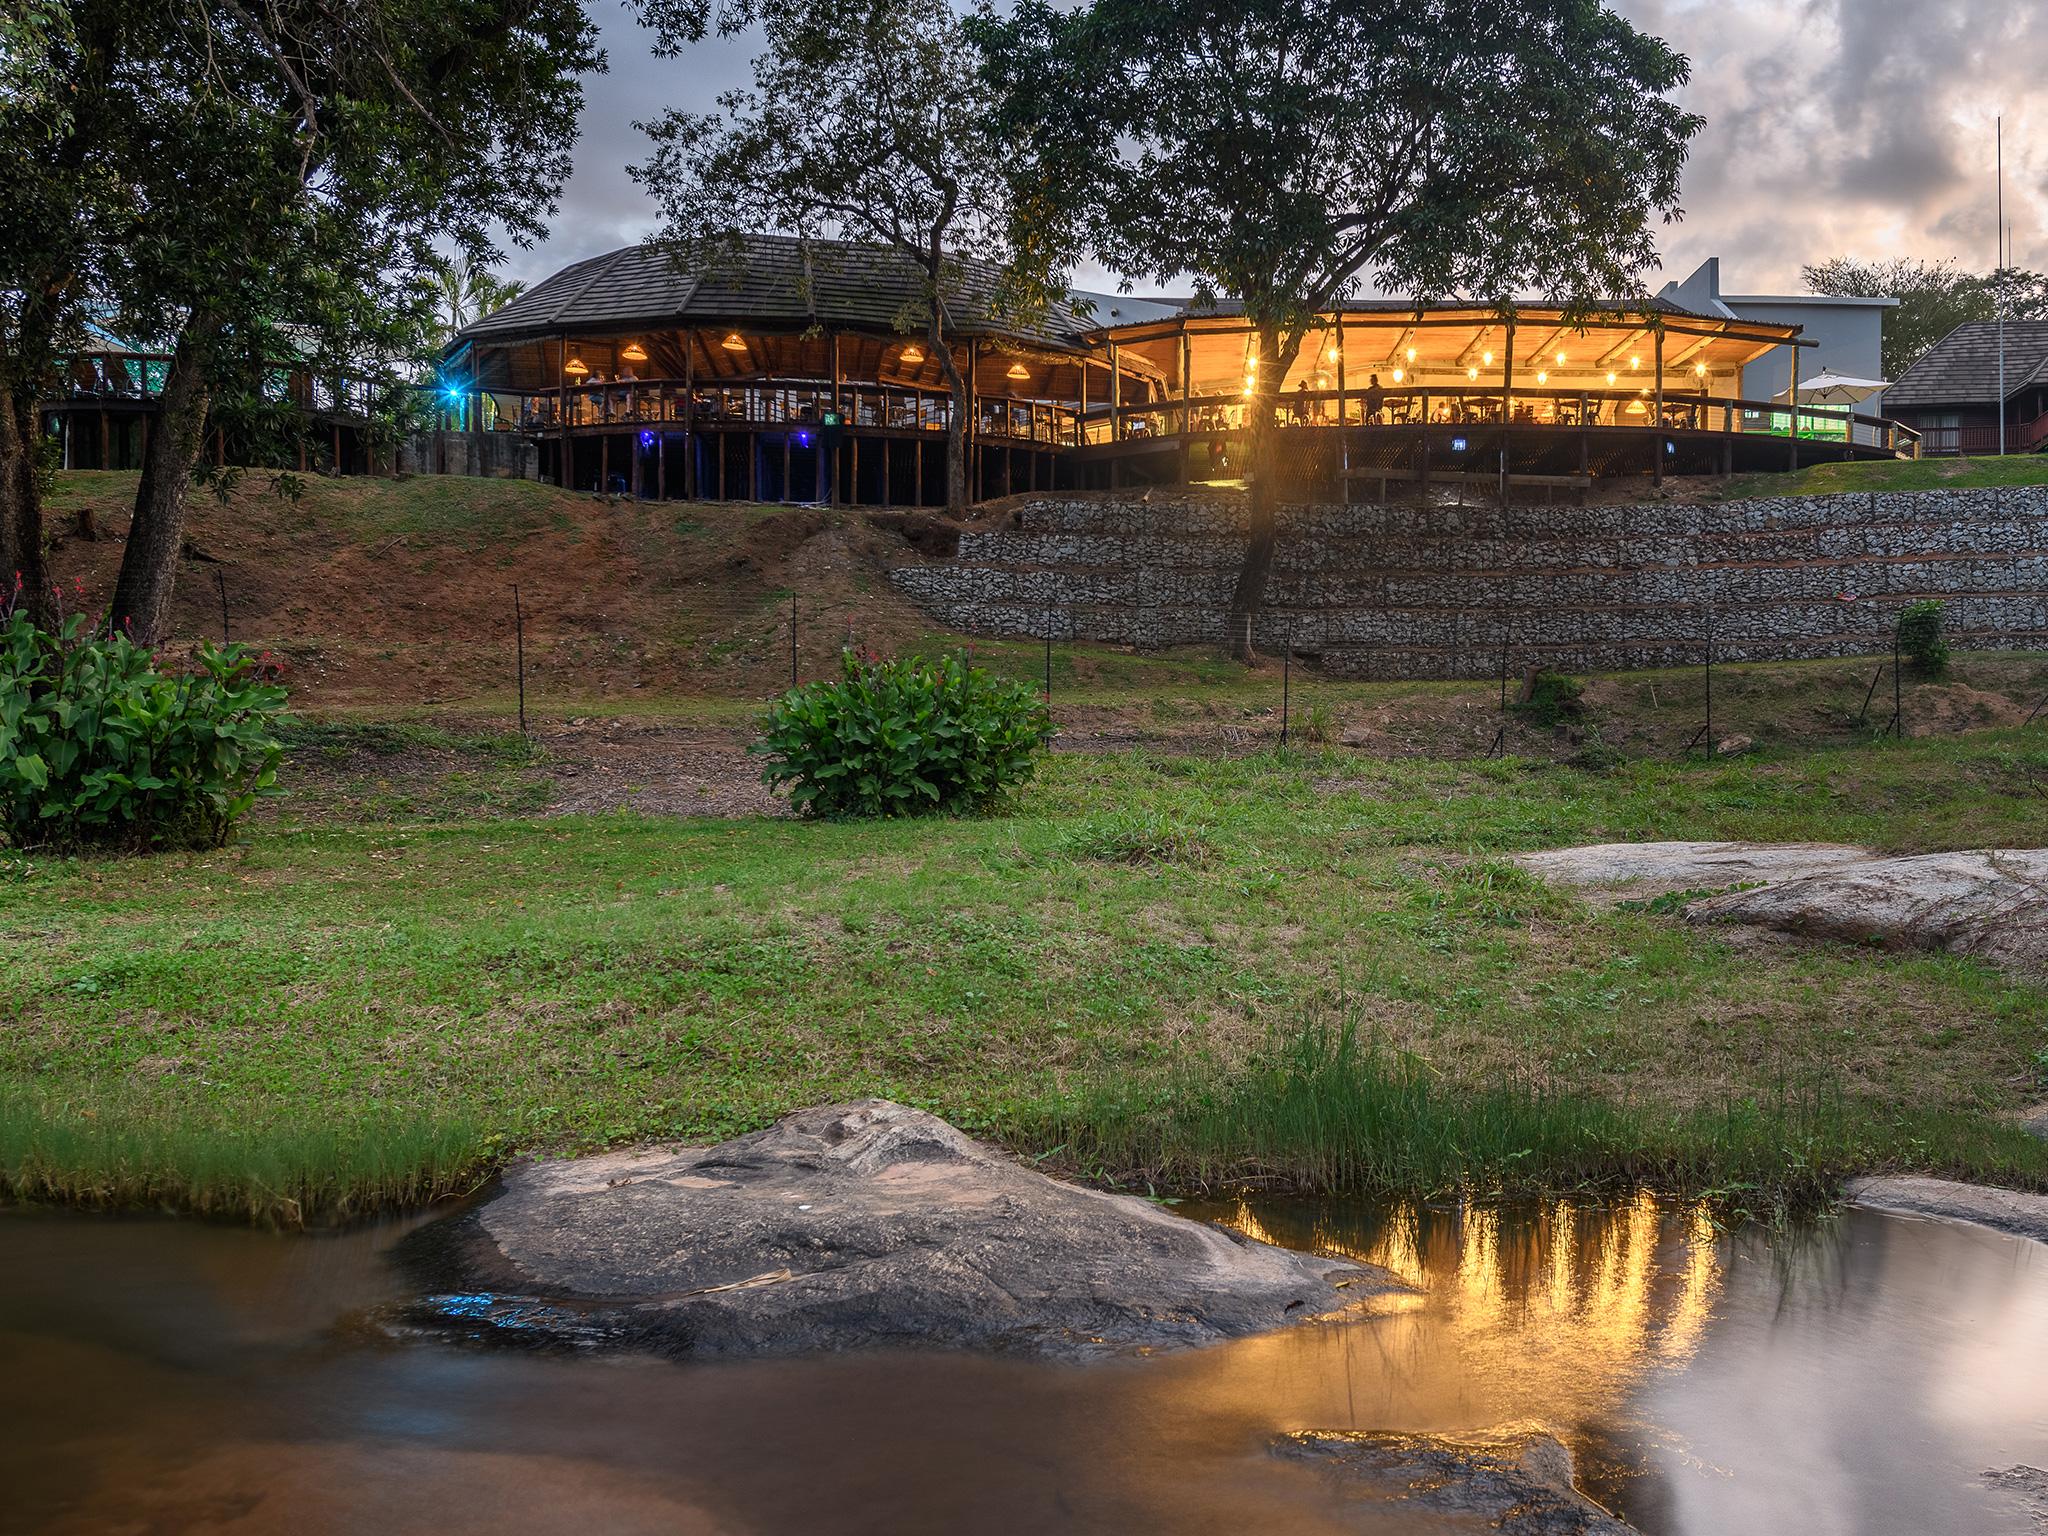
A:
387,593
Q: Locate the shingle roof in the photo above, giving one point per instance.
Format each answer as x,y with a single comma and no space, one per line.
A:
856,286
1962,368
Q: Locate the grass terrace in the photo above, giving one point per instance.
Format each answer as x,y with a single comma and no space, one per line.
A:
1314,968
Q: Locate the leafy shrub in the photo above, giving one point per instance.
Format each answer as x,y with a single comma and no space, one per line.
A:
1551,698
102,746
1920,638
902,738
1318,725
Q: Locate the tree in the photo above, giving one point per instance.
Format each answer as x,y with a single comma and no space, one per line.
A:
261,183
466,292
1934,298
867,122
1278,151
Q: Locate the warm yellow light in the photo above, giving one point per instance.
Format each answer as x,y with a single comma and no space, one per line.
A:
1699,370
576,368
1471,373
1018,371
1542,377
733,343
911,354
1411,354
1398,375
1486,358
1322,381
1560,359
1333,354
1635,362
1610,375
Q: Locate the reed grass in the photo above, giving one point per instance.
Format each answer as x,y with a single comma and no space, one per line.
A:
1328,1109
130,1157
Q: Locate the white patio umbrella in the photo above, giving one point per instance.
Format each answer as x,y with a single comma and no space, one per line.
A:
1835,389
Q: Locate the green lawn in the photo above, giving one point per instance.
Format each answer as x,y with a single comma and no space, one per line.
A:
1895,475
341,1008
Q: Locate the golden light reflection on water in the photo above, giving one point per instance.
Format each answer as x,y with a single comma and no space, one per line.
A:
1554,1313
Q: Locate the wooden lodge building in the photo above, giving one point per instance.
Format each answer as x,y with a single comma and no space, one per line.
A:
1953,398
788,376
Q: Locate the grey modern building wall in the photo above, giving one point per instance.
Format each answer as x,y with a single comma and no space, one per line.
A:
1849,332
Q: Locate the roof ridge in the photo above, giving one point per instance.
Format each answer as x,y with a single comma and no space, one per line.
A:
610,259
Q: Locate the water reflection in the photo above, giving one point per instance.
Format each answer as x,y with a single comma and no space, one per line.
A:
170,1377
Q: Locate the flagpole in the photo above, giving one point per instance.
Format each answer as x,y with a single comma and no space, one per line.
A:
1998,283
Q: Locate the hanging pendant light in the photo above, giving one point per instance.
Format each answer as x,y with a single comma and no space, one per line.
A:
734,342
576,368
912,354
634,353
1018,371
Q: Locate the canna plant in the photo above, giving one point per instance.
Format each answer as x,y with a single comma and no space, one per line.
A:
103,746
902,738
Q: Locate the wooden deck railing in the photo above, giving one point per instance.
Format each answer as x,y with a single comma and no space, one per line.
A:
770,404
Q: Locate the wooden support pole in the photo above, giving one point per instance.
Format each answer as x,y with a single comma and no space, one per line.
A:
1657,416
689,415
1792,401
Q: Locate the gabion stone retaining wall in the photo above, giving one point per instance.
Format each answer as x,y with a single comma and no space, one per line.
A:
1434,591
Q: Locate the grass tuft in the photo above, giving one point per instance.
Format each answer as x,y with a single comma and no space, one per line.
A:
1329,1110
124,1157
1138,837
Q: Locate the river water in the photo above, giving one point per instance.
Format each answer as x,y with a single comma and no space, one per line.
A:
1862,1377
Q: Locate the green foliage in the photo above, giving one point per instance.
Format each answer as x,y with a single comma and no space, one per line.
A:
1318,725
100,747
1934,298
903,738
1552,698
1920,638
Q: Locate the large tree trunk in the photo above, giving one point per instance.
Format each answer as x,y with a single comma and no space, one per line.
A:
21,510
956,427
1262,441
149,565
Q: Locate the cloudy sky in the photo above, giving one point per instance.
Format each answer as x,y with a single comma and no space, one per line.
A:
1834,127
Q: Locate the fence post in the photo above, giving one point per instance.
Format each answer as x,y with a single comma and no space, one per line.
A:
220,580
1500,736
1897,728
1286,681
519,654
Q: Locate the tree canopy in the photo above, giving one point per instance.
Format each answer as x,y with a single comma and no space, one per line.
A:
867,122
263,185
1934,298
1282,152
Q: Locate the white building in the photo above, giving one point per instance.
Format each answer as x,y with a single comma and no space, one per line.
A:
1850,332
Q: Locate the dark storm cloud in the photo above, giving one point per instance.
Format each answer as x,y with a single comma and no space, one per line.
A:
1834,127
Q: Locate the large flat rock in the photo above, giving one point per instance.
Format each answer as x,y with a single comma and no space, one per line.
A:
1988,903
2005,1210
1509,1483
851,1226
1653,868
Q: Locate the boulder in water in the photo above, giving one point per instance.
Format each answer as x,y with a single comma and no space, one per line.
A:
850,1226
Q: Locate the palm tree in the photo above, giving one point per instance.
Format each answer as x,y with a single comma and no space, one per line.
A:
468,293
